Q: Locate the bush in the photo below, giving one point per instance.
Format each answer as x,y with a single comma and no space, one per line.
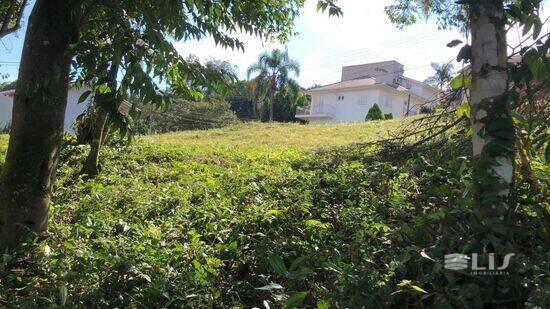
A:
425,109
188,115
203,220
388,116
374,113
351,227
285,106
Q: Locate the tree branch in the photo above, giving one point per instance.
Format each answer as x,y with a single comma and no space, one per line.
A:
11,12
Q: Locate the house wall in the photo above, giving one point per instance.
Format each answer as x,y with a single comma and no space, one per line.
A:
355,104
419,89
73,108
6,106
72,111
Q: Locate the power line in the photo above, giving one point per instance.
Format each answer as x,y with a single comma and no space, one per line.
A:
345,56
380,75
387,43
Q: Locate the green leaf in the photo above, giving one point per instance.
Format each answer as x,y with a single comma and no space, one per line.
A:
63,294
295,299
271,286
425,255
461,81
464,110
297,263
84,96
311,223
146,277
321,6
418,289
454,43
528,24
465,53
278,265
300,274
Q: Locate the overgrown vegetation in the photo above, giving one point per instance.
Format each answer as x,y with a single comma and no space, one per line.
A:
186,115
283,214
274,88
284,106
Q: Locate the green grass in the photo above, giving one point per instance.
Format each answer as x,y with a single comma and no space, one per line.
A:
205,218
276,136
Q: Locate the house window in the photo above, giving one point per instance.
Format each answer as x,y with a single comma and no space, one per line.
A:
340,98
363,100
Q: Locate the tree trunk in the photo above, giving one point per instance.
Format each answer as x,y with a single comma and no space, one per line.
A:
272,99
271,106
101,124
492,126
91,165
28,175
106,130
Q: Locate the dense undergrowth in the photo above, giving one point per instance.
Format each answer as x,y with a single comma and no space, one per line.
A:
188,220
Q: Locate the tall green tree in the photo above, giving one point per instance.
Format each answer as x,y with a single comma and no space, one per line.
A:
493,135
28,175
273,72
443,75
493,91
242,100
285,104
119,66
53,34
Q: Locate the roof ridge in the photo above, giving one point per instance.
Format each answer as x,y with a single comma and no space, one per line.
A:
369,63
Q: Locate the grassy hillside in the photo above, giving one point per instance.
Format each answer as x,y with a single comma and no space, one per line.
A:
264,137
242,215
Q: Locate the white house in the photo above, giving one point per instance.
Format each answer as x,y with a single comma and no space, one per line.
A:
73,110
361,87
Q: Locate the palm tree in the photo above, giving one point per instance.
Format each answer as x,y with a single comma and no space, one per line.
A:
443,75
273,70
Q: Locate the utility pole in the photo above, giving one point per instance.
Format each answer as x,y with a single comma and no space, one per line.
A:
408,105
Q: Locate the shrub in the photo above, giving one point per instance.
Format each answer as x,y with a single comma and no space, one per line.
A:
425,109
388,116
285,106
374,113
181,219
188,115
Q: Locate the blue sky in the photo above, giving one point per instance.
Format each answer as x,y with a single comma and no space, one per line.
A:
323,45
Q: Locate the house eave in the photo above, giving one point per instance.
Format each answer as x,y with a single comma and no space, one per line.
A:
314,116
320,90
366,87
